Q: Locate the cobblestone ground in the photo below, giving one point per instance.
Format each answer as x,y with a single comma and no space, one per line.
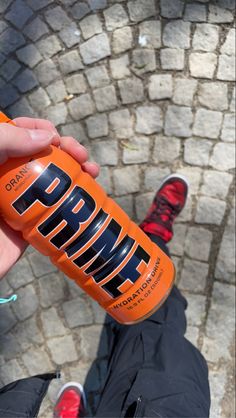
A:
147,86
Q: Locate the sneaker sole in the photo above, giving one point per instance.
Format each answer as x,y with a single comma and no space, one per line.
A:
75,384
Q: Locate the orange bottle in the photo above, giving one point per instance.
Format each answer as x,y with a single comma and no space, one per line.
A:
66,215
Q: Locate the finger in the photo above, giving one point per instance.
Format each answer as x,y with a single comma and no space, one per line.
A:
74,148
19,142
91,168
32,123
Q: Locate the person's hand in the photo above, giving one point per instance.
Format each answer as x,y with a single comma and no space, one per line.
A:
28,137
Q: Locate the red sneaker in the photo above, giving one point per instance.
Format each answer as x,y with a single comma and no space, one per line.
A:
71,401
167,204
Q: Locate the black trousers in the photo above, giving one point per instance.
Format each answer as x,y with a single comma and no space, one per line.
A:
153,370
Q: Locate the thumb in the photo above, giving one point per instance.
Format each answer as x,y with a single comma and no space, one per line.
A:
19,142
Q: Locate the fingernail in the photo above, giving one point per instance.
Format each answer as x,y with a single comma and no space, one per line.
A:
40,135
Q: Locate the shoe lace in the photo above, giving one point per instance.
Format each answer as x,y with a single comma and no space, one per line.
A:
163,208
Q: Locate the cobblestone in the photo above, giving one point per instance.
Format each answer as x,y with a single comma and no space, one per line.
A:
197,151
104,179
120,67
226,69
219,15
57,91
26,81
10,40
202,65
195,12
76,84
51,289
177,34
70,35
228,129
228,46
210,211
49,46
97,76
172,59
51,323
154,177
79,10
105,98
225,266
75,130
126,203
121,124
36,29
131,90
88,348
206,37
97,126
21,275
194,276
29,55
178,121
149,119
170,9
142,204
141,9
166,149
36,361
81,106
39,99
160,87
207,123
122,40
28,333
196,309
57,114
19,13
26,304
105,152
46,72
8,320
177,243
62,349
136,150
143,61
70,62
90,26
216,184
9,69
115,17
198,243
213,95
95,49
184,90
150,34
223,157
126,180
77,313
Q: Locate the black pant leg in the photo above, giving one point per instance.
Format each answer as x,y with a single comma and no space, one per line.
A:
153,369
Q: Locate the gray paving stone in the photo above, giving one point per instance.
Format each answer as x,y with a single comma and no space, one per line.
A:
79,10
136,150
97,76
149,119
216,184
121,123
115,17
9,69
228,129
105,98
94,342
5,288
70,62
97,126
26,81
104,179
141,9
142,204
57,114
105,152
27,302
143,61
170,9
37,361
193,276
8,319
202,65
97,4
213,95
57,91
154,176
11,371
176,245
172,59
62,349
126,180
195,12
10,41
20,275
76,84
223,157
184,90
95,48
150,34
196,309
225,266
28,333
131,90
218,380
49,46
29,55
98,312
219,15
220,314
57,18
51,289
197,151
75,130
210,211
198,243
206,37
193,175
3,26
186,214
10,347
127,204
122,39
79,372
81,106
228,46
178,121
160,87
176,34
39,99
36,29
192,334
232,104
120,67
226,68
40,264
207,123
166,149
77,312
70,35
90,26
46,72
4,5
19,13
39,5
2,59
21,107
